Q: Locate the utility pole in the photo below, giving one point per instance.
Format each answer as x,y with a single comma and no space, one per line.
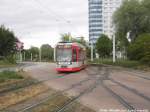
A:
92,51
24,56
114,49
40,54
31,56
20,55
54,54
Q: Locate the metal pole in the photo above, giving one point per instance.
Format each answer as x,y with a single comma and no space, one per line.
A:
114,49
40,54
20,56
31,56
24,56
54,54
92,51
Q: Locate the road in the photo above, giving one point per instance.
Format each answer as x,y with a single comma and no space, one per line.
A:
115,89
18,67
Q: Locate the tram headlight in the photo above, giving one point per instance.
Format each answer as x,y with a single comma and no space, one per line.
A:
69,63
64,63
59,63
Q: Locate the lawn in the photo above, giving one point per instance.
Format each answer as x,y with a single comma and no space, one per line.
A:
122,63
9,75
6,64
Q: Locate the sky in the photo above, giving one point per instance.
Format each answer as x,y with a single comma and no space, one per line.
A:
37,22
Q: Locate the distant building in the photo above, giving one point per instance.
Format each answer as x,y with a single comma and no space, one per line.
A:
100,18
95,20
109,7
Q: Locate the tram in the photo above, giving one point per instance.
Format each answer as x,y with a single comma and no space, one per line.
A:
70,57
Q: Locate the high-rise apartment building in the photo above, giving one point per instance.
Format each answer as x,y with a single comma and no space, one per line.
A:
95,20
100,17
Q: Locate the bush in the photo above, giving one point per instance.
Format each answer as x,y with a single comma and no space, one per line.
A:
140,49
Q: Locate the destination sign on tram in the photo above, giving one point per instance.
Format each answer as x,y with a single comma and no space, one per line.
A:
64,46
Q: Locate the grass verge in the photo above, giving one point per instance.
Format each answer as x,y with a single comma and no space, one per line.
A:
9,75
122,63
4,63
21,95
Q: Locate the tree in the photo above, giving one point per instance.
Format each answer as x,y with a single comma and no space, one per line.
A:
7,42
47,52
66,37
80,40
140,49
104,46
35,53
133,16
27,54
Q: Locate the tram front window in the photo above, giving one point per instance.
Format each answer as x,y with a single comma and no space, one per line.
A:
64,55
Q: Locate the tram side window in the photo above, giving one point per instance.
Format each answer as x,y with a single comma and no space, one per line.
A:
74,55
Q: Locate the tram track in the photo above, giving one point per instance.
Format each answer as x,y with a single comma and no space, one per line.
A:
122,101
99,79
61,109
137,74
55,95
117,96
16,86
134,73
104,77
131,89
20,86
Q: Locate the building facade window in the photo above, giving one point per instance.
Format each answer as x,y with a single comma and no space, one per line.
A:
100,17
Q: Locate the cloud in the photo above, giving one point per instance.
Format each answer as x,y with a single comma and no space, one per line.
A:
37,22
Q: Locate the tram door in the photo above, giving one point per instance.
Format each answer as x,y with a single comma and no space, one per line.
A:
74,55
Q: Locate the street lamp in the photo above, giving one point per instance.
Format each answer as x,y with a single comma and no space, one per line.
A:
40,54
31,56
114,49
92,51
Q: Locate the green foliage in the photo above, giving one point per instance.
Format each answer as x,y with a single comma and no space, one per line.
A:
47,52
80,40
35,53
140,49
6,63
27,54
88,52
10,59
104,46
6,75
134,17
123,63
7,43
66,37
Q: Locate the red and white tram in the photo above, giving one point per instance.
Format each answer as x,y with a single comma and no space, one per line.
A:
70,57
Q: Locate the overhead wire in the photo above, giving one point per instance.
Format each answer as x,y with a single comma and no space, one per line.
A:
58,18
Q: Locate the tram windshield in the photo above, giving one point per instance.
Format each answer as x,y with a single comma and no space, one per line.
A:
64,55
